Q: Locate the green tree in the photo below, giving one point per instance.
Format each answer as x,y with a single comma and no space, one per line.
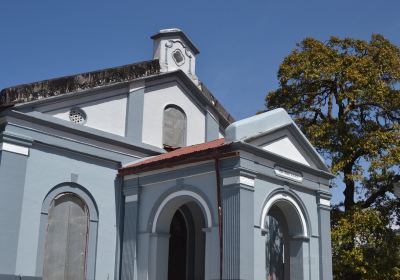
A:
365,248
345,96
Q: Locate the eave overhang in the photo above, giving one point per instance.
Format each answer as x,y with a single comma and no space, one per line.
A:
87,132
195,156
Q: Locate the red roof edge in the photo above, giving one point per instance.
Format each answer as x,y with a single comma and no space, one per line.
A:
191,154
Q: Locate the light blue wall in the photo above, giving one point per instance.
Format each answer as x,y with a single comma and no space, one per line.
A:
12,179
151,191
46,168
243,239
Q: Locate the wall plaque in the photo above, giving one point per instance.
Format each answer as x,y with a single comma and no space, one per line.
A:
289,174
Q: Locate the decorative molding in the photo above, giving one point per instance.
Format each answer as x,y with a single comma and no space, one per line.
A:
169,44
284,197
14,148
178,52
238,180
170,197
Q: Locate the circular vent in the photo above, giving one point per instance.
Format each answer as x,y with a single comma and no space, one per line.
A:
76,115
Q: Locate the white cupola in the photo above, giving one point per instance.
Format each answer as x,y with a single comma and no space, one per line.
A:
175,51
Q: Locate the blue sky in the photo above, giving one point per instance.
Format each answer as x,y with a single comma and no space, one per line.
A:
241,43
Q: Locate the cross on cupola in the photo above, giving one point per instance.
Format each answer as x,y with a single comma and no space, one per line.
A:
175,51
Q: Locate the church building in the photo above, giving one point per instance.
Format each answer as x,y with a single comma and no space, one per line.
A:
138,172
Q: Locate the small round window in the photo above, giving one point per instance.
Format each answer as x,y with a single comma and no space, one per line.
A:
77,115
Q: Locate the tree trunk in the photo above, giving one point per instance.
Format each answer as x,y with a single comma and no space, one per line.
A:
348,191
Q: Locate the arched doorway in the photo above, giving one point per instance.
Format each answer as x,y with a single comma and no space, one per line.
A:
277,261
286,232
186,244
178,239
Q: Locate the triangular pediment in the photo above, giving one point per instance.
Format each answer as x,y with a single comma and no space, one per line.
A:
275,132
285,148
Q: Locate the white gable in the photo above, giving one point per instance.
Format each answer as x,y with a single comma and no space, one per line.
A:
156,99
285,148
106,115
275,132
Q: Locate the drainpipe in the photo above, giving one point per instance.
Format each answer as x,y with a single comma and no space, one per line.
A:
220,225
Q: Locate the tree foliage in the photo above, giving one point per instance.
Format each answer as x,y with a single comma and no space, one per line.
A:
365,248
345,96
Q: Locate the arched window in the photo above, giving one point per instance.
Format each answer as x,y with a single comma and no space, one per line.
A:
174,127
66,238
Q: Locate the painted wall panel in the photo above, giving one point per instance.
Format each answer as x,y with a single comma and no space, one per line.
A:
106,114
150,198
284,147
12,177
48,168
155,100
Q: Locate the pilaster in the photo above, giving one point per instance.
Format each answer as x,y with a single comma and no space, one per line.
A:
14,154
134,115
325,247
129,250
212,126
238,237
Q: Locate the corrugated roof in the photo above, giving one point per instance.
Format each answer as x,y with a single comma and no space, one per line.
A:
178,156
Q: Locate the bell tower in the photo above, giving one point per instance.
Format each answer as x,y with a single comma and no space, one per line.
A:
175,51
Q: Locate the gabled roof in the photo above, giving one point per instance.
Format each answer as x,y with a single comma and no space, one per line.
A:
184,155
249,129
78,83
240,135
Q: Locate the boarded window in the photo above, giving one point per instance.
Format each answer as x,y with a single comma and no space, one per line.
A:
66,239
174,129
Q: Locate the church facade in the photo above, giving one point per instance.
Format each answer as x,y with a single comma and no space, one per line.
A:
138,172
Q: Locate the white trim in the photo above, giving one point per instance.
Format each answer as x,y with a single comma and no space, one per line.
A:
281,196
14,148
182,193
325,202
131,198
238,180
